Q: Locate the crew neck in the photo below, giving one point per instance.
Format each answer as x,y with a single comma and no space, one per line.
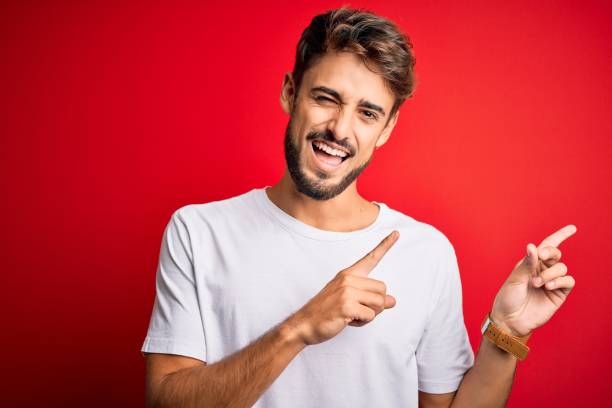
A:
300,227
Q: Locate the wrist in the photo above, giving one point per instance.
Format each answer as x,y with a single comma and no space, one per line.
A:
503,325
290,333
503,337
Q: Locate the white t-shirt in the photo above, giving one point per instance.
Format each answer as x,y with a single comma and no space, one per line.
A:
230,270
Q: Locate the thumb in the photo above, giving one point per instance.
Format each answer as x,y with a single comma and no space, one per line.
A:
390,301
529,266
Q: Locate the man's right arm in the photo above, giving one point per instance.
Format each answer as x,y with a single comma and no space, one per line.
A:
236,381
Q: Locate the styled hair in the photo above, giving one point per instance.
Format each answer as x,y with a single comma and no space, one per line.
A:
384,49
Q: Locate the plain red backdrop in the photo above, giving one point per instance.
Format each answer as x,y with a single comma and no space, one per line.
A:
114,114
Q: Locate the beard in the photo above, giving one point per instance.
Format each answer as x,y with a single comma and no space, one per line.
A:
317,188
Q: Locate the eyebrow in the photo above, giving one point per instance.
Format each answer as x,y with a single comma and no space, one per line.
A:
362,103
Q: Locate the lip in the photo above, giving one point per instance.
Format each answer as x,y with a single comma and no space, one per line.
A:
328,168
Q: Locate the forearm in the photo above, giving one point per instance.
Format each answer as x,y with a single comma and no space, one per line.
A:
489,381
236,381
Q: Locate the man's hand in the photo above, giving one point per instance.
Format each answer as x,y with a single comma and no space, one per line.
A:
351,298
536,288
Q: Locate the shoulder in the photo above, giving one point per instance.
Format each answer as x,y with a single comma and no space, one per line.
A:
231,208
416,232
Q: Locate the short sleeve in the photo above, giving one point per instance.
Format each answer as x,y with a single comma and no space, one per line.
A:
444,353
176,326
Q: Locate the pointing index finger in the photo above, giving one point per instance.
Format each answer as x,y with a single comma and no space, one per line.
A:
371,259
558,237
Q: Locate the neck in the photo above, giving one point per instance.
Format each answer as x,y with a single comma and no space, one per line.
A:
346,212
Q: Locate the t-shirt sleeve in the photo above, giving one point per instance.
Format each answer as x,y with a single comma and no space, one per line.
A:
176,326
444,353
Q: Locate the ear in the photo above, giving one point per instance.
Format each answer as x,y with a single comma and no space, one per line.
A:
384,136
287,93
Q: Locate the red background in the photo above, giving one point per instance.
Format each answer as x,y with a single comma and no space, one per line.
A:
116,114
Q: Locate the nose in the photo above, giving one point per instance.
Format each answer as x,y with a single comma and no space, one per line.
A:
340,124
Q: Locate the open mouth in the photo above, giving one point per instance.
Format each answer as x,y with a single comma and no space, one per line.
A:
329,155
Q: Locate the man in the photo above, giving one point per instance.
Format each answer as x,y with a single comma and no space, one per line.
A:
287,297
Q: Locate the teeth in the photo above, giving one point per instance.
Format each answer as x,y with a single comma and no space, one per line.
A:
330,150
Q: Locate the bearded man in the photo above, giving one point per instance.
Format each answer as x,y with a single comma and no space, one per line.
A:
306,294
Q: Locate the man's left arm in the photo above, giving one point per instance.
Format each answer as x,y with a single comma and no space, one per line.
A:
531,295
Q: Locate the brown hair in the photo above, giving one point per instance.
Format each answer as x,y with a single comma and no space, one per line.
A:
384,49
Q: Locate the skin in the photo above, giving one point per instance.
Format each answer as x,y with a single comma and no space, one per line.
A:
350,123
351,297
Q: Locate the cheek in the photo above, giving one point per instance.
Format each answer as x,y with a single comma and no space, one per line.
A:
303,123
366,142
312,117
299,130
322,114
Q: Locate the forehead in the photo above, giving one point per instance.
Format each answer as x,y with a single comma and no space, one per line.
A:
346,73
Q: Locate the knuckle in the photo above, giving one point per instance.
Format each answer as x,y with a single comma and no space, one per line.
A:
379,285
562,267
346,293
344,272
345,280
346,310
375,304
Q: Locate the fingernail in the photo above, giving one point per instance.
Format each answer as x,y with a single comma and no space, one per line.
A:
537,281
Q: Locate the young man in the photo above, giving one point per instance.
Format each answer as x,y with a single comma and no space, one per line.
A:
287,297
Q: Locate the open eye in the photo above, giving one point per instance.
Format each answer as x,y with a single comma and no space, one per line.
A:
370,115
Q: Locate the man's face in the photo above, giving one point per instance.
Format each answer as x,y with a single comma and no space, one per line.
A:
337,121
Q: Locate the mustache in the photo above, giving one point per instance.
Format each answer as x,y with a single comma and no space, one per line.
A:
328,136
